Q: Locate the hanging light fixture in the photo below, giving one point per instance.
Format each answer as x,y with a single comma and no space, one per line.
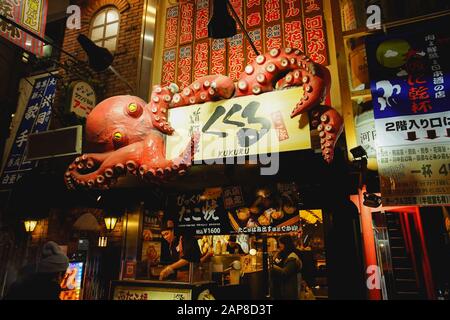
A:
102,241
30,225
110,223
223,25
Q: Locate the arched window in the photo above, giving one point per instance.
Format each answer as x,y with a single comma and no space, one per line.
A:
105,28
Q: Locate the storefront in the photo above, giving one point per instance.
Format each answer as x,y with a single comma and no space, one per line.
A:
305,131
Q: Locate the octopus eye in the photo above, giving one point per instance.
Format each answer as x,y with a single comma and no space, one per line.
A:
117,136
134,110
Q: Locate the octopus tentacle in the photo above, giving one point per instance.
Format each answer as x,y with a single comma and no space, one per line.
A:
89,170
330,125
263,74
207,88
159,105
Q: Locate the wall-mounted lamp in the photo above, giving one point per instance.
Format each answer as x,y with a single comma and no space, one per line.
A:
110,223
222,25
100,59
30,225
371,200
102,241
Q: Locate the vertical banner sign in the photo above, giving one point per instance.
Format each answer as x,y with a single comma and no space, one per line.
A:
171,27
236,56
36,119
316,43
253,23
187,22
410,84
31,14
169,66
201,19
272,21
293,26
201,58
184,66
218,56
236,52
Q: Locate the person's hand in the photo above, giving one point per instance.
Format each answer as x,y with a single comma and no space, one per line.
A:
167,271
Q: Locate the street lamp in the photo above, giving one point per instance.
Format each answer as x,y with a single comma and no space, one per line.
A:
102,241
30,225
110,223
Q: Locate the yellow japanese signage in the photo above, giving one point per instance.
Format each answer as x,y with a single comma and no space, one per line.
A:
32,14
250,125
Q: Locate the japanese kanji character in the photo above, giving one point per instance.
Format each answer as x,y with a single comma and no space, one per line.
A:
439,95
401,125
412,123
23,137
420,93
436,122
438,80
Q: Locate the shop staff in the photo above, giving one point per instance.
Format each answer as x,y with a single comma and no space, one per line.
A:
180,251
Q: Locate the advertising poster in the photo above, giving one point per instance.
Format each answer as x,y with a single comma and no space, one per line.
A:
410,84
72,282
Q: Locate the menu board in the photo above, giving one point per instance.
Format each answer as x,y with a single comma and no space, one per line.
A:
271,24
235,209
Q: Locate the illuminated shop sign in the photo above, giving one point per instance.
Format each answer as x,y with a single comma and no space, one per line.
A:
31,14
189,54
250,125
36,119
410,86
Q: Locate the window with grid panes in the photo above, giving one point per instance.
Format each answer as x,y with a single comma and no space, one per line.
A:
105,28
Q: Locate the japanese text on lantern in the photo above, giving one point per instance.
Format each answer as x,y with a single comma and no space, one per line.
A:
187,18
168,68
7,8
314,24
255,35
218,56
273,37
291,9
236,56
171,27
185,66
272,10
201,59
293,35
201,20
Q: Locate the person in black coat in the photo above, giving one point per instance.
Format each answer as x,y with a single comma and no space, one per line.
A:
286,270
43,282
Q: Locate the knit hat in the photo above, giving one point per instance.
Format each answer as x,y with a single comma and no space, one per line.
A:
53,259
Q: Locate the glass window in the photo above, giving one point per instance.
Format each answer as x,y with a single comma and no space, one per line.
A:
105,28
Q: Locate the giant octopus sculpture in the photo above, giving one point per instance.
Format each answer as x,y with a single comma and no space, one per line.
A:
128,133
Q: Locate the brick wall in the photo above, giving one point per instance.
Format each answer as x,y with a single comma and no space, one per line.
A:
127,52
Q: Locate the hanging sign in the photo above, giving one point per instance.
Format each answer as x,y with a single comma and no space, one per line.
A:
410,85
82,98
36,119
31,14
250,125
